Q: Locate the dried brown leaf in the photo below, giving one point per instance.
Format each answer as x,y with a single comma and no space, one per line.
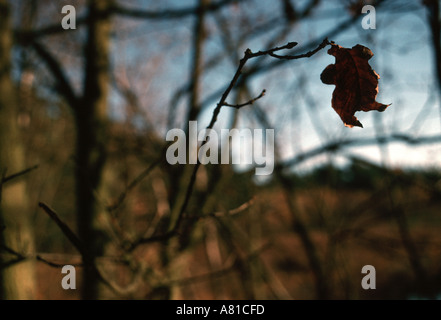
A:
356,83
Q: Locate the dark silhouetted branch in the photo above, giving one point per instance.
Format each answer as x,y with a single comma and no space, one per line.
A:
49,263
65,89
434,17
18,257
238,106
71,236
247,55
87,258
304,55
259,53
18,174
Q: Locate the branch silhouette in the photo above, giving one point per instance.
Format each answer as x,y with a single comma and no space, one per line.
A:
173,229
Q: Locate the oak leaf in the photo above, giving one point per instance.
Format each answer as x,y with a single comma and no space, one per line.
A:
356,83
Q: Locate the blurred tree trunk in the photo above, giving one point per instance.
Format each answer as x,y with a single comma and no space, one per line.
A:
91,124
434,20
17,280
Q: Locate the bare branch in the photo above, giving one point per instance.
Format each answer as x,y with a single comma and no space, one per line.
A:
77,243
247,55
53,264
18,257
18,174
259,53
172,231
238,106
304,55
54,66
71,236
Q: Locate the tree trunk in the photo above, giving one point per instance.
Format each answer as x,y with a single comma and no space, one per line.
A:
91,124
17,280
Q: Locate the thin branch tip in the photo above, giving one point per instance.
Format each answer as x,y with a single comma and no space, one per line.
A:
238,106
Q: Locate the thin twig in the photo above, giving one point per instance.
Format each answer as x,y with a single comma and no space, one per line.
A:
304,55
238,106
71,236
259,53
21,257
18,257
54,264
63,85
16,175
